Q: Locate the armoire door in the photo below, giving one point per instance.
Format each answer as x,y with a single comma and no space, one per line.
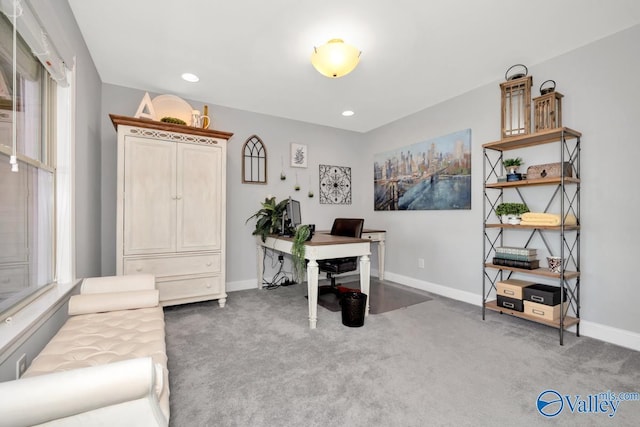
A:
199,180
149,196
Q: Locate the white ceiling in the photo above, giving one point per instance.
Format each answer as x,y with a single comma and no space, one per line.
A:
254,55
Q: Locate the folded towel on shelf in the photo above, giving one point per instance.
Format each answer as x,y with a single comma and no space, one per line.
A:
539,215
540,218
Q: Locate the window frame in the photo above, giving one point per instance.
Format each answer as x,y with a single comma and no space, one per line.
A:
46,150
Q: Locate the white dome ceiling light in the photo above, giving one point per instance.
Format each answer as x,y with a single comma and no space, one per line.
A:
335,58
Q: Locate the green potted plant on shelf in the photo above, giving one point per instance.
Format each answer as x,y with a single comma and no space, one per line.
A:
512,164
303,233
269,217
509,213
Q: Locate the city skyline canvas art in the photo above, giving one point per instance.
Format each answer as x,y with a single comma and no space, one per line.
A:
430,175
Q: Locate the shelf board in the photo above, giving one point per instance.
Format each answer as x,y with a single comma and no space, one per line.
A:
539,181
544,137
568,320
536,271
540,227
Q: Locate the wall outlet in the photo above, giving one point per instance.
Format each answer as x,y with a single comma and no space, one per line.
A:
420,262
21,366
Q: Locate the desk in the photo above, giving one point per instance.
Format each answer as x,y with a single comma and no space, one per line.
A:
321,246
376,236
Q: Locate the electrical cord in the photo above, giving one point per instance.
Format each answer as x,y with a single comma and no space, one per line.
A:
280,278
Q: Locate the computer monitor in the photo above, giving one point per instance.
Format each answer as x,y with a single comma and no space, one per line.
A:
293,212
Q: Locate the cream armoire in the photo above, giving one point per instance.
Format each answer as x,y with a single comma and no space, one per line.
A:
171,199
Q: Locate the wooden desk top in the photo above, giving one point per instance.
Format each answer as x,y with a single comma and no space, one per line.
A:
320,239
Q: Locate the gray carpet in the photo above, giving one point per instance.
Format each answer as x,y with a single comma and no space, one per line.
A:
383,297
257,363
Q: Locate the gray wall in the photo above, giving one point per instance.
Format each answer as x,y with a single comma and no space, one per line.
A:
601,91
600,101
326,146
39,336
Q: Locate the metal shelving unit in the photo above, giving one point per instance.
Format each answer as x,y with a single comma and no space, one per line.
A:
562,240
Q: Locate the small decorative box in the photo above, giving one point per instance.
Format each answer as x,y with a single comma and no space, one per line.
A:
543,294
510,303
549,170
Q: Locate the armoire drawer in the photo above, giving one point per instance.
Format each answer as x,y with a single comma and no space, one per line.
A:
174,266
186,288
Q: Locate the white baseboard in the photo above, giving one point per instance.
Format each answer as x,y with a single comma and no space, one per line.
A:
609,334
445,291
594,330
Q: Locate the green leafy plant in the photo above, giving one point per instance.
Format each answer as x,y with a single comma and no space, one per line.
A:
511,209
512,162
303,233
269,217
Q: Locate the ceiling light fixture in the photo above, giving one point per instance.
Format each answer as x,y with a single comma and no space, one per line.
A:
335,58
191,78
348,113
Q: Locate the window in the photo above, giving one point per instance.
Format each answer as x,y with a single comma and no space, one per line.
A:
26,197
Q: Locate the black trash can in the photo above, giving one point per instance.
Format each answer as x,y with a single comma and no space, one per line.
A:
353,305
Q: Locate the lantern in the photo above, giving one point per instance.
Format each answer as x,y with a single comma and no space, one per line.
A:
516,103
547,108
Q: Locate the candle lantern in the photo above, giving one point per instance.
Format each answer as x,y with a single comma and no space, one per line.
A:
547,113
516,103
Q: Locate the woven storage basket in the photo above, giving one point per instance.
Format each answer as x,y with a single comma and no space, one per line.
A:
549,170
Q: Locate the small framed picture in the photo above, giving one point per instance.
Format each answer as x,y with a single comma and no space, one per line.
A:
299,155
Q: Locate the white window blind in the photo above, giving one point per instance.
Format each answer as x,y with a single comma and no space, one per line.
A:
32,31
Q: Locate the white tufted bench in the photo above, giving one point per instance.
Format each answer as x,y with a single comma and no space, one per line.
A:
107,365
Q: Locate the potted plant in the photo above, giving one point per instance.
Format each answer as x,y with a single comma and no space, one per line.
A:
509,213
512,164
303,233
269,217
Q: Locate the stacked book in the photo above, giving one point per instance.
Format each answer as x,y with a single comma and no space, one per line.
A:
510,256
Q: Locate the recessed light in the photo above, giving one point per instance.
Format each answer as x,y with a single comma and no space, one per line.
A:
192,78
348,113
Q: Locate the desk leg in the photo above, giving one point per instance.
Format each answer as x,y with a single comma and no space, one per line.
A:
365,271
381,259
260,263
312,292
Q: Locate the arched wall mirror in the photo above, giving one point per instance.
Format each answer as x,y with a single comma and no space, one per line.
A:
254,161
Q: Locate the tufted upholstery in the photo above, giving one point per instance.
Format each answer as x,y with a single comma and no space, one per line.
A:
101,338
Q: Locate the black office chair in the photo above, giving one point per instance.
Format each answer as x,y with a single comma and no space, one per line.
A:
350,227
